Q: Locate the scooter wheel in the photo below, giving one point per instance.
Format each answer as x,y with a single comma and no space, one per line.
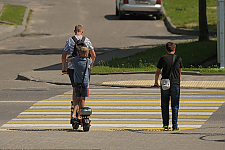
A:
86,127
86,124
75,126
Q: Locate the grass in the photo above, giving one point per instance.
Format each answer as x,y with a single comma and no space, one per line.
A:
184,13
190,52
13,13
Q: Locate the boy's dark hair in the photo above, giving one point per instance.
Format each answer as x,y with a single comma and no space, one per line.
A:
170,46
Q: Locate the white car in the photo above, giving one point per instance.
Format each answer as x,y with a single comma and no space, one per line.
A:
153,7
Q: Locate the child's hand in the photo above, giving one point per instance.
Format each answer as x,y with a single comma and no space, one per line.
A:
68,59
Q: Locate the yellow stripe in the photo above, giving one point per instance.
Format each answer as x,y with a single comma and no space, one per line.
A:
111,116
127,104
148,110
138,99
52,104
141,122
147,116
30,128
115,110
36,122
48,110
66,100
193,97
43,116
151,91
101,122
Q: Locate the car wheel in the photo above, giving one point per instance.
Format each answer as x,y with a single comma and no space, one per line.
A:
159,16
121,15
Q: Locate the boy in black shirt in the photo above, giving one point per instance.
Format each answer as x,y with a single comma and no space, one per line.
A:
166,62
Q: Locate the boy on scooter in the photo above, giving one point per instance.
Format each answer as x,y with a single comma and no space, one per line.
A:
81,77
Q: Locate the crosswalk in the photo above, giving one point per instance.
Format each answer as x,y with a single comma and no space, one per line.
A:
117,109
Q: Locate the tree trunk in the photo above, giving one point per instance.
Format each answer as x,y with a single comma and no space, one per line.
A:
203,26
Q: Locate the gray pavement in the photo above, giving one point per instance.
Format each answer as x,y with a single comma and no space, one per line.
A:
210,136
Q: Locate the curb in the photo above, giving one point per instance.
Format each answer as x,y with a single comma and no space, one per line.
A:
173,29
142,86
153,72
19,29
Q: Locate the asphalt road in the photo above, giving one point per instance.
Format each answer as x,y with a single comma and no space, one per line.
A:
51,24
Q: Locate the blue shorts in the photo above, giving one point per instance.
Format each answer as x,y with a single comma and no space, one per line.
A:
85,90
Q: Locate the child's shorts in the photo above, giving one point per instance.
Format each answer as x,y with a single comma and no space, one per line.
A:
85,90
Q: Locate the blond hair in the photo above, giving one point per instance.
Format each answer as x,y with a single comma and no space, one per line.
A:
83,50
79,28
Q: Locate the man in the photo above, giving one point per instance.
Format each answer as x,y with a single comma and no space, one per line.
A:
165,63
69,47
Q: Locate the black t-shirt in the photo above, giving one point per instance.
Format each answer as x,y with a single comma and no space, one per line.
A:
165,63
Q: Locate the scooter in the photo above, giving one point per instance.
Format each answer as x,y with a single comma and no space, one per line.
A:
84,122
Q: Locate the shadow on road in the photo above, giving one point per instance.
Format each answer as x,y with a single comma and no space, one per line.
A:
49,51
181,37
130,17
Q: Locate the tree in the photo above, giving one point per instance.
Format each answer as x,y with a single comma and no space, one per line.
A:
203,27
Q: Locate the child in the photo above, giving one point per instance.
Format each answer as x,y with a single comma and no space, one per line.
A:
79,70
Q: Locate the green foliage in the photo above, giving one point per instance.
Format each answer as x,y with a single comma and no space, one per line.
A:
13,13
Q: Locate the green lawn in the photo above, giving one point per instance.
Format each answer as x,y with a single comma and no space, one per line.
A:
190,52
13,13
184,13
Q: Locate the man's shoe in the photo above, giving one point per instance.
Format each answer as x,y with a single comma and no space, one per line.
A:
166,128
176,129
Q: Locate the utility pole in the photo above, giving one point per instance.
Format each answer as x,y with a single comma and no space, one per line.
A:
203,26
220,32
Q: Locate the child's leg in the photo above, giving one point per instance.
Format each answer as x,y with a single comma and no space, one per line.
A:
76,107
82,101
81,104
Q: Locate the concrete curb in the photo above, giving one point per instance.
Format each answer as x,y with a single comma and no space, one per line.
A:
153,72
19,29
142,86
173,29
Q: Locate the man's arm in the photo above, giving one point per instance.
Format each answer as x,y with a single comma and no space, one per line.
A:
93,56
157,77
64,70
